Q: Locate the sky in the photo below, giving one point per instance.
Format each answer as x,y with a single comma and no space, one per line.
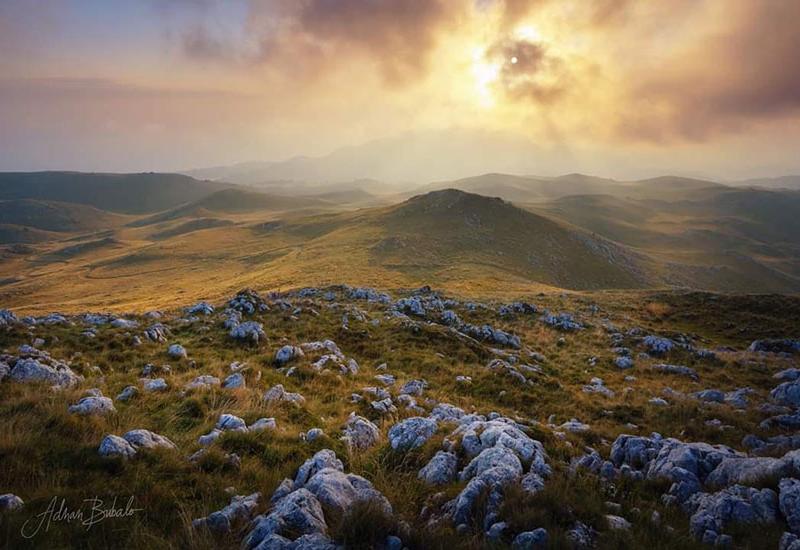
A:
620,88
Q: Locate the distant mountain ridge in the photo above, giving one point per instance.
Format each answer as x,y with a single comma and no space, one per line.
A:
411,158
780,182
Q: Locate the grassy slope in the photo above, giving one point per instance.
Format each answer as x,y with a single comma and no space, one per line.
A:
461,242
124,193
448,228
59,217
721,238
480,245
232,201
47,452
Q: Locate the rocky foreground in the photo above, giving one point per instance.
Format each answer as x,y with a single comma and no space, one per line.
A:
346,417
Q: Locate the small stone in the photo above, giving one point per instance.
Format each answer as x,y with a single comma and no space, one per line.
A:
93,405
177,351
263,424
234,381
530,540
10,502
127,393
115,446
156,385
617,523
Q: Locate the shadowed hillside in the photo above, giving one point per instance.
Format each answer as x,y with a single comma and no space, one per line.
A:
125,193
231,201
56,216
444,228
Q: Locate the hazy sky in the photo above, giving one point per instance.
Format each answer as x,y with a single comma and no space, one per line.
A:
613,87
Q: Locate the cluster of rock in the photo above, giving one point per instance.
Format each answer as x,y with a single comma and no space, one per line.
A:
498,453
679,370
487,333
427,304
562,321
229,422
322,355
131,443
368,294
494,451
301,507
515,371
658,345
278,394
238,513
7,318
248,302
517,308
248,331
785,399
597,385
777,345
33,365
200,308
713,484
158,333
381,400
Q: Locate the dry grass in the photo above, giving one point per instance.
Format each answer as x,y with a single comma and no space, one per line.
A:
46,452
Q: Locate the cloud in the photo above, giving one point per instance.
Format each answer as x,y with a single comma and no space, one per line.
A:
87,90
528,70
306,39
725,81
198,43
397,36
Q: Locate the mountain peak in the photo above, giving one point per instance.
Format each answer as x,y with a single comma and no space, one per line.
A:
451,197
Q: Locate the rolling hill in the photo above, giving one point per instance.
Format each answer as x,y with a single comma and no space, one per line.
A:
22,234
232,201
540,188
781,182
56,216
122,193
450,227
660,233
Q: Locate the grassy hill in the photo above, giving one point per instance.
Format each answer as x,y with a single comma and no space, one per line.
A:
674,233
539,188
10,234
191,226
233,201
450,227
124,193
781,182
56,216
